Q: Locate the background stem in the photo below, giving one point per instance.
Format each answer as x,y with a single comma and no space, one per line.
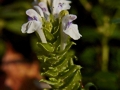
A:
105,54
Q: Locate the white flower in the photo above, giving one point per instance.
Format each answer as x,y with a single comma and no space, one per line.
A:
33,24
69,29
44,8
59,5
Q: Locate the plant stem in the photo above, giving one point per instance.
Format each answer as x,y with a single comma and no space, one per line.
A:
105,54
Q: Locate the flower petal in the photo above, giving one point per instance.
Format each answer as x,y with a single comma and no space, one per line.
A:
31,26
39,10
54,6
73,32
32,13
69,18
65,4
44,7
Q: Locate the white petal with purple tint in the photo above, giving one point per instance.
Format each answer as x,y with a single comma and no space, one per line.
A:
39,11
59,5
31,26
69,28
44,7
73,31
32,13
69,18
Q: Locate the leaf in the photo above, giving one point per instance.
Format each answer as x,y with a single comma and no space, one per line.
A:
67,74
52,19
51,73
49,82
47,26
75,78
48,35
90,86
45,47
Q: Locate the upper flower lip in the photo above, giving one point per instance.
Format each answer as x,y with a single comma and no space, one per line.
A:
69,18
32,13
39,11
44,7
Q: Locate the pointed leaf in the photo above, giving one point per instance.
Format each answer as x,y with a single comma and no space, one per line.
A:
45,47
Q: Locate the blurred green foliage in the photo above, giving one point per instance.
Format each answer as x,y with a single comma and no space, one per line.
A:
98,51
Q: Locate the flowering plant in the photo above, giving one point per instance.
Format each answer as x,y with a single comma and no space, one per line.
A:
55,27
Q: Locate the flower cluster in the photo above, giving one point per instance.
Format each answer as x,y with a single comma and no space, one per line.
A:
58,10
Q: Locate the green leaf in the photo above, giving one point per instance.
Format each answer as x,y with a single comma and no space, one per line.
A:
48,35
57,44
67,74
90,85
51,73
49,82
45,47
52,19
47,26
72,81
